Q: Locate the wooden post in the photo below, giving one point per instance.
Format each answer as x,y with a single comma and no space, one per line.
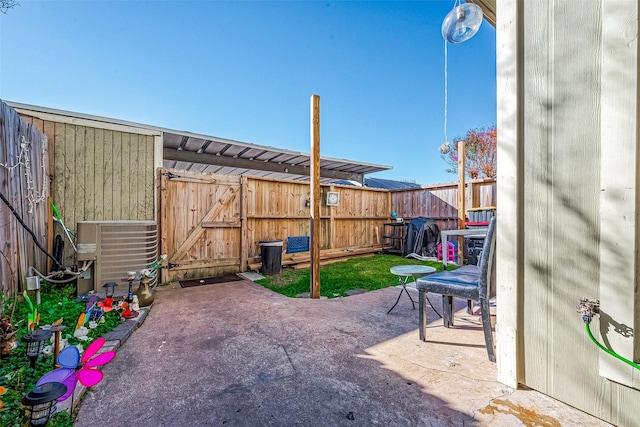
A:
332,224
315,197
461,198
244,187
163,218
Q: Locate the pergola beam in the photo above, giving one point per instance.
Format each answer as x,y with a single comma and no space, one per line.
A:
212,159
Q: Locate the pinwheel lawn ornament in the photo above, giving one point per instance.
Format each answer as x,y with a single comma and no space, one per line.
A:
106,304
75,368
33,318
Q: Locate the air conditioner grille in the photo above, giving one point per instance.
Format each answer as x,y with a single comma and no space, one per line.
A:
117,247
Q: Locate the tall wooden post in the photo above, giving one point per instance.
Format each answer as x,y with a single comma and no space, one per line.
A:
461,184
315,197
462,154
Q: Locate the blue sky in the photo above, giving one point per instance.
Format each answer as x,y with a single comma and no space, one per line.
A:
245,70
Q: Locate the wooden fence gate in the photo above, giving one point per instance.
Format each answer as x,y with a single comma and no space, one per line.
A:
200,228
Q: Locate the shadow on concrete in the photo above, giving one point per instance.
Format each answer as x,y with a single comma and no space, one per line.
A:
237,354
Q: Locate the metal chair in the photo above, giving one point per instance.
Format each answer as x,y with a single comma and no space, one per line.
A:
470,282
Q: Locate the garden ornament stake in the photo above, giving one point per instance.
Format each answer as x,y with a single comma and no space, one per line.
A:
131,276
109,289
34,341
56,329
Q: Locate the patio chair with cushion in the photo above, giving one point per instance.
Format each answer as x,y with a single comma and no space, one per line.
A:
470,282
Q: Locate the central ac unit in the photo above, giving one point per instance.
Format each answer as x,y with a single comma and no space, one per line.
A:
115,247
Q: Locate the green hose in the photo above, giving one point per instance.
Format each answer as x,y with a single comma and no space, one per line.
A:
614,354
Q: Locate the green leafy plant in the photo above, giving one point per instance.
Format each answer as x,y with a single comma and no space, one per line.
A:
32,318
16,378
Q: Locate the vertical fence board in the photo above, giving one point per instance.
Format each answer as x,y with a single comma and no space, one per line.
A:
24,182
59,142
440,202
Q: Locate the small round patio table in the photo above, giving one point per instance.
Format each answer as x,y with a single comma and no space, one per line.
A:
406,272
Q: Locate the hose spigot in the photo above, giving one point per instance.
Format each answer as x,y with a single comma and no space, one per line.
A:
588,309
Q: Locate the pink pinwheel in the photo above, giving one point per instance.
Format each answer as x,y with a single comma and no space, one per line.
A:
74,368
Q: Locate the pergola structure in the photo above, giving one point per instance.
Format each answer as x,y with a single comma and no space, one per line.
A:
200,153
205,153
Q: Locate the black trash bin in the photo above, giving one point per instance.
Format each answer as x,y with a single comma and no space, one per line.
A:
271,256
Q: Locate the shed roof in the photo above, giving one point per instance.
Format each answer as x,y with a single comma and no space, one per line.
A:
204,153
185,150
386,184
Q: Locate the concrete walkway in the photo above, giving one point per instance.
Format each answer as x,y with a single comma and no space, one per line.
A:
236,354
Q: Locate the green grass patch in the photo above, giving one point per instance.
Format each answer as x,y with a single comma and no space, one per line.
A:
336,279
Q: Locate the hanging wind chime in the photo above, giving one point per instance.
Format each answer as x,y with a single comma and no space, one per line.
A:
460,24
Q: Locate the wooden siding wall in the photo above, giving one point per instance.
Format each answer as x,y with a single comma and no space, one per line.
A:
560,174
17,249
98,174
440,202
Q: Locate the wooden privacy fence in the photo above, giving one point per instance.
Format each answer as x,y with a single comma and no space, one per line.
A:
213,224
24,182
440,202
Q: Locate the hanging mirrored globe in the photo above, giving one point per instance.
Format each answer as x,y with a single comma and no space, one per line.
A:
462,23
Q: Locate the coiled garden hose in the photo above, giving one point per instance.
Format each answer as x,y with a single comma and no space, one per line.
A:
588,309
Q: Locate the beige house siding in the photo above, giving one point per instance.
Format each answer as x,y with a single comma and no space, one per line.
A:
569,178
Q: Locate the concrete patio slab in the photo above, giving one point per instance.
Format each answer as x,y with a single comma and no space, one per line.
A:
236,354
